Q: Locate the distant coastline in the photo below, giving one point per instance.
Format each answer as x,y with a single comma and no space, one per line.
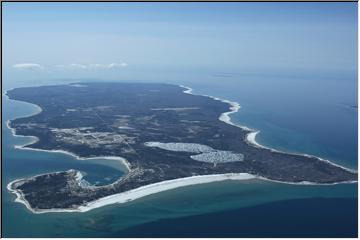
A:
164,185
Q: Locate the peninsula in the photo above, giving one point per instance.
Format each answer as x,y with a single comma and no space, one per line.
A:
166,136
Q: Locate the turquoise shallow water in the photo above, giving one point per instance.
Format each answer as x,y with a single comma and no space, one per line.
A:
303,123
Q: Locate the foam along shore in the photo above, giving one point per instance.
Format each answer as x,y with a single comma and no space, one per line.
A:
251,136
135,193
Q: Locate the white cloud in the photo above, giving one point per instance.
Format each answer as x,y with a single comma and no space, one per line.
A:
114,65
93,66
28,66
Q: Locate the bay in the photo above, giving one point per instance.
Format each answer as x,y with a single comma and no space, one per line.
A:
292,114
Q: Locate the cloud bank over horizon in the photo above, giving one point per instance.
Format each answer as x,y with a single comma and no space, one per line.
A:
28,66
72,66
75,66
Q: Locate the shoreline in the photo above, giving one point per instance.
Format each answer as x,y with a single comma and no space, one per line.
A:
251,136
34,139
134,193
164,185
150,189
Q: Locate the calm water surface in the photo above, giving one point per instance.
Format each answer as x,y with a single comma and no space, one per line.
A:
306,115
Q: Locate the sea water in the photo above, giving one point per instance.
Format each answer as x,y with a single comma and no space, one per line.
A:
310,115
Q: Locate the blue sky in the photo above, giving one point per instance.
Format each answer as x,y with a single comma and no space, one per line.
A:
108,39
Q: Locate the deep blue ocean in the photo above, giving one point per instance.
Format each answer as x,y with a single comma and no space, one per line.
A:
313,114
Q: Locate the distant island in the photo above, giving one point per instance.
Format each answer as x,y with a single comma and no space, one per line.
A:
166,136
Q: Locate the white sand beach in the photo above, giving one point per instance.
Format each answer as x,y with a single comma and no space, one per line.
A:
165,185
